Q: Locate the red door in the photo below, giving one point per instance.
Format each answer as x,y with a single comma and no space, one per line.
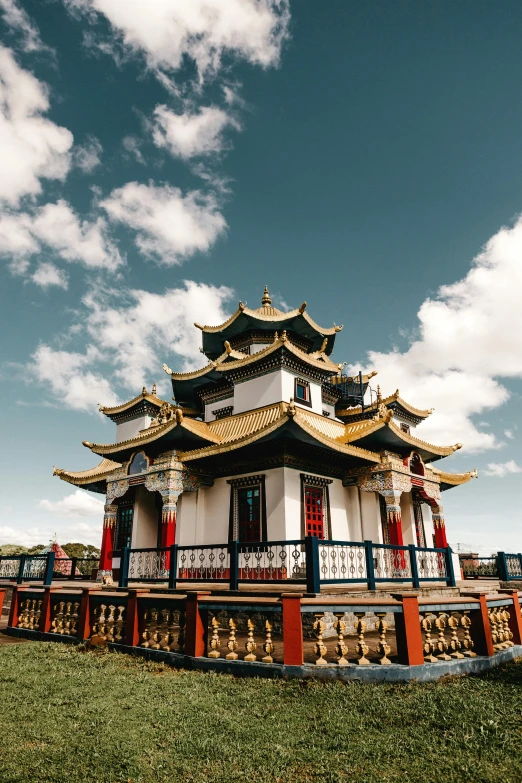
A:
314,513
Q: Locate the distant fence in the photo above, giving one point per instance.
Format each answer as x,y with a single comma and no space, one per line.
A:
25,568
309,561
504,566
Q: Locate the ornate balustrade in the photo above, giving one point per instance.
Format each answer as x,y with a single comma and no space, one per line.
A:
277,633
210,563
27,568
505,566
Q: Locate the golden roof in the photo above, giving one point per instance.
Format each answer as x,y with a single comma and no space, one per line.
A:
243,360
269,314
80,477
145,395
454,479
395,397
232,428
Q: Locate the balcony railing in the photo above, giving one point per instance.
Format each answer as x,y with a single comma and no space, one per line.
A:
27,568
309,561
505,566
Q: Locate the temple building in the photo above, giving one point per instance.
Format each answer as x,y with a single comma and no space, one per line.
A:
269,441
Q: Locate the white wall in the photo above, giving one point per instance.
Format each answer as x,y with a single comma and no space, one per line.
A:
129,429
353,510
292,504
186,518
216,406
371,517
339,511
275,504
329,408
288,390
145,520
257,392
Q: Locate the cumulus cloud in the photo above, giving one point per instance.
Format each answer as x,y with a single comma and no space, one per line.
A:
57,227
169,226
464,346
87,157
69,378
32,147
501,469
19,22
205,31
190,135
131,144
79,504
48,275
132,333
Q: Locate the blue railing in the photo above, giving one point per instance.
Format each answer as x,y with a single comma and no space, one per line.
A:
27,568
309,561
505,566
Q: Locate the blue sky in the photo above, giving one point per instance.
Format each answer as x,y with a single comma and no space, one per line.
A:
161,161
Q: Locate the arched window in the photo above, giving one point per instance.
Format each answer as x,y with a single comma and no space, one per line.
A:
416,464
139,464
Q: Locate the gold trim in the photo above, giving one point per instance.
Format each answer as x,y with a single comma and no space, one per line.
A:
269,317
79,477
126,405
455,479
395,397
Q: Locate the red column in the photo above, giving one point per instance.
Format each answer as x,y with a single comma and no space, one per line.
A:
84,621
515,616
45,616
408,631
109,523
168,524
293,648
132,629
16,596
440,527
480,626
196,625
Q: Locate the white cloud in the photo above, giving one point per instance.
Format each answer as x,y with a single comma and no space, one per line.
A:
464,346
501,469
79,504
87,156
202,30
150,329
57,227
131,144
190,135
19,21
69,379
48,275
509,434
169,226
31,146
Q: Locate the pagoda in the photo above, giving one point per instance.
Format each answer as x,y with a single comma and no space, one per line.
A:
269,441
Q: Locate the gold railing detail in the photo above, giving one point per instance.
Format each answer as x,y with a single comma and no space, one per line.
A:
495,623
442,644
164,628
65,618
361,647
507,633
383,648
109,622
268,646
250,644
454,644
29,616
430,645
319,647
232,643
214,642
467,642
341,648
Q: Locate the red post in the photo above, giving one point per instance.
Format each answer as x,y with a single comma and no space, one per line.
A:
45,616
480,628
408,631
196,627
84,621
293,648
132,627
15,603
515,617
2,596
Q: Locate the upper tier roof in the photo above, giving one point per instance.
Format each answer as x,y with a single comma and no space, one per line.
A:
94,479
263,318
394,402
144,400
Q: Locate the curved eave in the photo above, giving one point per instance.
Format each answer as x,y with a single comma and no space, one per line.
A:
152,398
94,479
383,434
245,319
388,401
169,434
294,424
327,366
449,480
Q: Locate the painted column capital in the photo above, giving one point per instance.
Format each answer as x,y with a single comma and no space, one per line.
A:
109,517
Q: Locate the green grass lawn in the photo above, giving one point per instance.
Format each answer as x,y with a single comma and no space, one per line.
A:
72,716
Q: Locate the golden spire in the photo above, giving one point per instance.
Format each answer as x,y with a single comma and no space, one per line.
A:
154,389
379,395
266,300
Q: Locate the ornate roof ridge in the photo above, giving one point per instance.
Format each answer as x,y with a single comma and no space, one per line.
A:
262,314
186,376
279,342
455,478
145,395
395,397
100,471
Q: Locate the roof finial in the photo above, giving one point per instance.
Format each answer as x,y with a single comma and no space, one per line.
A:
266,300
154,389
379,395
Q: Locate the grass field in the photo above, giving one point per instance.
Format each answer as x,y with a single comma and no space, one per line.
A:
74,717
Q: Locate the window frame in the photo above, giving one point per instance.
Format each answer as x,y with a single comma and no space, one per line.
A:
306,385
317,483
133,457
123,506
246,482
